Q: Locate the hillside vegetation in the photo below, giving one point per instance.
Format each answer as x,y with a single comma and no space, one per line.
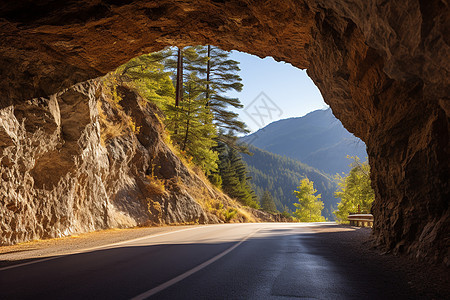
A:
189,86
282,175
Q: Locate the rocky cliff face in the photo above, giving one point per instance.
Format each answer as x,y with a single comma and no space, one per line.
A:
383,68
80,161
381,65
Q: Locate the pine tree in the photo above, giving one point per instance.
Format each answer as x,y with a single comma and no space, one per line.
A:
148,75
221,77
191,127
183,61
267,203
234,175
309,207
197,109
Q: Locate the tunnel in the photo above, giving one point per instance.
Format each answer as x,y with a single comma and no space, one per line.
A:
382,66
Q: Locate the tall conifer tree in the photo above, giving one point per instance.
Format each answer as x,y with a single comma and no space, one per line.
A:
234,175
221,74
267,203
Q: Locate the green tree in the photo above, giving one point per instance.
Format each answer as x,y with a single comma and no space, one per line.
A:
147,74
267,203
221,75
281,175
217,75
216,180
191,128
190,84
234,175
188,120
309,207
181,62
286,213
354,189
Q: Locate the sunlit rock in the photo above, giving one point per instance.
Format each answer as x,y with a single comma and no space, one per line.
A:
382,66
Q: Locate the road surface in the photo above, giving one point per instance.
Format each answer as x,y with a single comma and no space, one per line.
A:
227,261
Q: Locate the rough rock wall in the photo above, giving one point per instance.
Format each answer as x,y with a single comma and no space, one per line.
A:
383,66
384,71
71,163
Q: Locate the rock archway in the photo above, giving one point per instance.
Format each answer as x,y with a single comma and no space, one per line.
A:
383,67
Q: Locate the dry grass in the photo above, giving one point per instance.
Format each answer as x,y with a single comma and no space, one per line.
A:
206,198
245,215
154,185
109,129
121,123
212,200
155,210
132,125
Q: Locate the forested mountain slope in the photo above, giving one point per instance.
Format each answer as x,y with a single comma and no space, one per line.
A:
317,139
281,176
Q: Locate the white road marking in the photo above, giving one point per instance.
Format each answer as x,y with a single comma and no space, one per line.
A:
94,248
186,274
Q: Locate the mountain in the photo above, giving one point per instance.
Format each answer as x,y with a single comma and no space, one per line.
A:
317,139
281,176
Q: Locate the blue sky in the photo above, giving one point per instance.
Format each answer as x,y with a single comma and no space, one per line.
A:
287,91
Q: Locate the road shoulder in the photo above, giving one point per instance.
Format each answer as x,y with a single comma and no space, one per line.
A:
39,249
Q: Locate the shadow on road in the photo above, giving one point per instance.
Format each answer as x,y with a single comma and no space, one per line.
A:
125,271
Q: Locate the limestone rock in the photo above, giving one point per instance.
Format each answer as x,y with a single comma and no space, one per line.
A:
63,172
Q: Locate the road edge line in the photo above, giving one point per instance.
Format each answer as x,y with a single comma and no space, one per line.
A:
94,248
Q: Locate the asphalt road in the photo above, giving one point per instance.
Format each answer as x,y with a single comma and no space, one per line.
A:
230,261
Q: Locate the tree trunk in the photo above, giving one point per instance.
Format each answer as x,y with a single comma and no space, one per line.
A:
179,84
188,119
208,71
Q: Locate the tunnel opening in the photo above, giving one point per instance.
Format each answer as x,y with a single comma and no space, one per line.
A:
282,139
381,68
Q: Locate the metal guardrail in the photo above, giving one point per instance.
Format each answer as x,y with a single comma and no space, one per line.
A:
361,220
